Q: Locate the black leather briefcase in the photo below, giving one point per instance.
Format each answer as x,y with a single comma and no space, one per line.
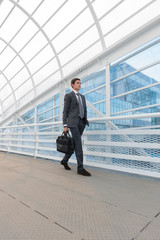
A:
65,143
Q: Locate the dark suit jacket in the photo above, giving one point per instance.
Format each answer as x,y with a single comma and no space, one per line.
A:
71,110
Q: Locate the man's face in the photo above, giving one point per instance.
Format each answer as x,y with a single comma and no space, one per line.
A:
77,85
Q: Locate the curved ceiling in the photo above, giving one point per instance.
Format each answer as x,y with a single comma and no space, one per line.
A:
42,41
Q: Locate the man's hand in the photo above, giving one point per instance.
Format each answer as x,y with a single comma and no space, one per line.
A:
65,129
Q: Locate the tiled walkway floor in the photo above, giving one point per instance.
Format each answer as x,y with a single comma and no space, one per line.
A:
40,200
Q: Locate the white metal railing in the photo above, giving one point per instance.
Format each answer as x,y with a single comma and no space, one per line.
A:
135,150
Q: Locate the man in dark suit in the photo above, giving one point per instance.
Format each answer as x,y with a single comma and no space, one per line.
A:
75,118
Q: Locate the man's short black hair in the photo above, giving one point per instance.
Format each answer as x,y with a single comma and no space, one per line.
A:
73,80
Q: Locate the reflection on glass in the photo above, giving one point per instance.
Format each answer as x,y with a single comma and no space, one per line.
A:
92,81
134,92
97,95
140,79
136,62
137,99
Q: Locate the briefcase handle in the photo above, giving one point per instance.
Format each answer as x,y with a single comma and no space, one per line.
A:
66,133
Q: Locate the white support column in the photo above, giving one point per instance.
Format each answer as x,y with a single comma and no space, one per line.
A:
36,132
9,140
62,93
53,111
108,102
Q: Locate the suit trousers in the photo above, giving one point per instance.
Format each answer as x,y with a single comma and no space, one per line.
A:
76,134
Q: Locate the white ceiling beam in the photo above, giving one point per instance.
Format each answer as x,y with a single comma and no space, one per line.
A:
43,32
97,24
24,63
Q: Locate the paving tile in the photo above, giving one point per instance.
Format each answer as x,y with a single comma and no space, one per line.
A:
40,200
151,231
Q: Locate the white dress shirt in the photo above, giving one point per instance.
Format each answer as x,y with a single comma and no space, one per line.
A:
77,96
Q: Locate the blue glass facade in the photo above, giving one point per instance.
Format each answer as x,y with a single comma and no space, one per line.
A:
135,85
94,89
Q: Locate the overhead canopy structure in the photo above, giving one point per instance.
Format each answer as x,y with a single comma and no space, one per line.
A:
43,41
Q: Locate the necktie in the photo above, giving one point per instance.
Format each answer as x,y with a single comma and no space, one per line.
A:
81,109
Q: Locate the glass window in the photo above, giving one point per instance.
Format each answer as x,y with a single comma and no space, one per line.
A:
57,111
130,123
101,107
96,95
30,121
148,110
46,115
118,105
28,115
44,111
45,105
140,79
57,99
92,81
91,113
137,99
136,62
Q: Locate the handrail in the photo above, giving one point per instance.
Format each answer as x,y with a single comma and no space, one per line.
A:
137,116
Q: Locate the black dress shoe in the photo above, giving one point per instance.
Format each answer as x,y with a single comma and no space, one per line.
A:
83,172
65,165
